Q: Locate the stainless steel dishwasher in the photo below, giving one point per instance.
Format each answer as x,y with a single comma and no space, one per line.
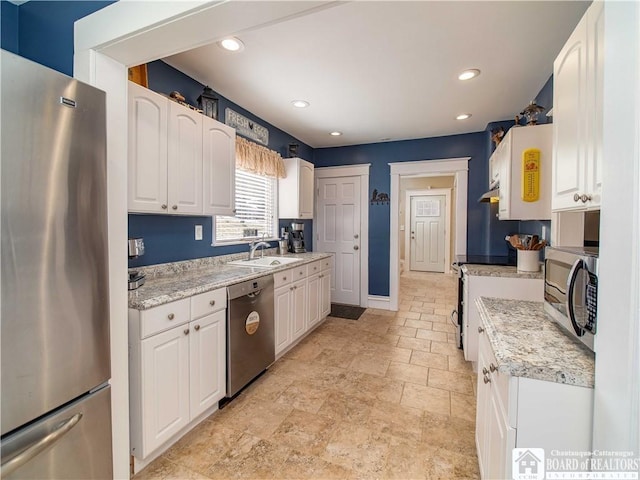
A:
250,331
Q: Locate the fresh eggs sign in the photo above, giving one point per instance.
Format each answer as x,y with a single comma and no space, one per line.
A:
245,127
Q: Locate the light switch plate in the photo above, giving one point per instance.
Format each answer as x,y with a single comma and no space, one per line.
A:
198,232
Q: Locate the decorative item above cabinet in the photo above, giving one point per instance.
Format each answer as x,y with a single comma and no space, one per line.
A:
295,191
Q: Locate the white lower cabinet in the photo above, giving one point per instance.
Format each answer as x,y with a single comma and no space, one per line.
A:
301,301
525,413
177,355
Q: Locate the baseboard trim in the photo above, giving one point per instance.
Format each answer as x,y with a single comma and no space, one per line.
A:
379,302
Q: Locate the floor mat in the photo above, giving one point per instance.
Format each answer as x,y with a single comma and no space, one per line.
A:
346,311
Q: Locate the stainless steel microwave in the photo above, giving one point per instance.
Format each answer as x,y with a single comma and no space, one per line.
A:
571,290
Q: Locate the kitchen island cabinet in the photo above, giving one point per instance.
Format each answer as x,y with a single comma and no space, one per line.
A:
535,386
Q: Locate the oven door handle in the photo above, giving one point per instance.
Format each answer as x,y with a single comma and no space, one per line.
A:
571,285
455,323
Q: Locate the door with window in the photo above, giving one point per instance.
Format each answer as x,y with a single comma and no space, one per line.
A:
338,228
427,234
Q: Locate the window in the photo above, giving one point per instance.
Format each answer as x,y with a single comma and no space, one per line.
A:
255,210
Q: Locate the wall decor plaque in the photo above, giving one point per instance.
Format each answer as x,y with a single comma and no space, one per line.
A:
245,127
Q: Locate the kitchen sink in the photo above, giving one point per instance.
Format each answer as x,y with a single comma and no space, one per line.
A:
264,262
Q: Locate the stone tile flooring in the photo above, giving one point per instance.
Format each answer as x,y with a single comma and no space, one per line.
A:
385,396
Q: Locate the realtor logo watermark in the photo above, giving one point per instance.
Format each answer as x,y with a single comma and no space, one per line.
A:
536,464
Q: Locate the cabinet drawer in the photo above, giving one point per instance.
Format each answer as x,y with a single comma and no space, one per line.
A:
164,317
326,263
315,267
282,278
299,273
208,302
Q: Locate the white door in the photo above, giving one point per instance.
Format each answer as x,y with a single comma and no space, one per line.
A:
339,233
427,245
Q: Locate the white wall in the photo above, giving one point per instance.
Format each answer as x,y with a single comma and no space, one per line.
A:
616,406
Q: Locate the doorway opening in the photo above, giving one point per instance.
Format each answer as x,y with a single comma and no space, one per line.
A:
427,221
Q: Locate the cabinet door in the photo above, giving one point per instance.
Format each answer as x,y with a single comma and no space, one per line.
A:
314,286
185,160
282,299
147,162
500,440
482,412
219,167
325,295
595,108
165,386
299,309
504,167
569,101
207,344
306,189
467,334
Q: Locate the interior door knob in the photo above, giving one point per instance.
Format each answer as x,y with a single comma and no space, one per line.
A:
356,247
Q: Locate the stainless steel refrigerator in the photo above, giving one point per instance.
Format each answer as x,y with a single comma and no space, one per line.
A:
55,396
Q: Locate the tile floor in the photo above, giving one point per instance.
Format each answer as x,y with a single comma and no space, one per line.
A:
385,396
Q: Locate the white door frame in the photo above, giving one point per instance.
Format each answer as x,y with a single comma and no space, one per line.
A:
447,222
457,167
106,42
362,171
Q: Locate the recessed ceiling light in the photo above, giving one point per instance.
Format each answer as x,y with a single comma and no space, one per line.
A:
469,74
463,116
300,103
336,134
232,44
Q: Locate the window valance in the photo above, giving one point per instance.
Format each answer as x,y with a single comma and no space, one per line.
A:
258,159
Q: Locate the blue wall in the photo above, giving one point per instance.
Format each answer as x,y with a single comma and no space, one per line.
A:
45,30
171,238
379,155
9,26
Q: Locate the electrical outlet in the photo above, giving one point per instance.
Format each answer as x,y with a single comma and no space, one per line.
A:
198,232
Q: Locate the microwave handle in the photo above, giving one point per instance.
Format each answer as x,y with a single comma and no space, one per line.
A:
571,284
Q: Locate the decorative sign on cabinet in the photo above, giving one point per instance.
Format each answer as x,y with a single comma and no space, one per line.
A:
578,74
508,165
296,190
173,152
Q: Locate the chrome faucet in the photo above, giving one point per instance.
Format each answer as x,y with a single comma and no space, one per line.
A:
255,245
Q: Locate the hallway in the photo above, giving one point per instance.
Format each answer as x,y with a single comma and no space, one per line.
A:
385,396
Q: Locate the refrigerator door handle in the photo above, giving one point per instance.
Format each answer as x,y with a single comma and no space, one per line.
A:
45,442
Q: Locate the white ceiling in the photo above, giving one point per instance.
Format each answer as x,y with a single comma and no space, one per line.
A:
380,71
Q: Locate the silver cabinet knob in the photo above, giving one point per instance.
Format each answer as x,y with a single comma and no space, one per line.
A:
196,328
163,206
585,198
480,329
486,380
291,289
284,278
186,331
171,316
485,371
356,247
576,197
212,302
175,207
493,368
356,236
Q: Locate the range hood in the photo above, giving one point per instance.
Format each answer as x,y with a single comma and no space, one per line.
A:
492,195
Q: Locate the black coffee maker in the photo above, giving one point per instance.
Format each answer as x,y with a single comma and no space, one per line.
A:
296,238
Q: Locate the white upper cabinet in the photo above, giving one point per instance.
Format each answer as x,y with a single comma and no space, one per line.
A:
219,167
577,115
147,151
184,185
180,161
296,190
516,181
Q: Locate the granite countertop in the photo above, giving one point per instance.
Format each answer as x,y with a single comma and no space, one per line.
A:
528,343
174,281
498,271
